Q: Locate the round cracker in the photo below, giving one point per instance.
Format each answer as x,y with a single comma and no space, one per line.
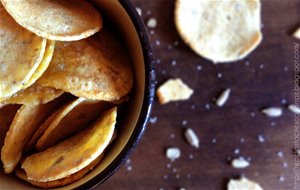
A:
56,19
60,182
21,54
40,131
221,31
93,68
33,95
73,154
26,121
71,119
44,63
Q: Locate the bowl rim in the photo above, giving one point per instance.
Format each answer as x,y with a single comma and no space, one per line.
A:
149,93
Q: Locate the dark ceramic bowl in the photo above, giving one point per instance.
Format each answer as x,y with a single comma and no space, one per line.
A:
123,19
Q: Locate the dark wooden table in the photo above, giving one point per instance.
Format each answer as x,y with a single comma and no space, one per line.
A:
265,78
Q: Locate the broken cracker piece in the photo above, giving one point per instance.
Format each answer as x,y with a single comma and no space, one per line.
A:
243,184
173,90
296,34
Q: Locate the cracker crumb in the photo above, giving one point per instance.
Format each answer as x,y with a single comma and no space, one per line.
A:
173,90
139,10
294,108
173,153
192,138
280,154
240,163
243,184
152,22
261,138
296,34
272,111
223,97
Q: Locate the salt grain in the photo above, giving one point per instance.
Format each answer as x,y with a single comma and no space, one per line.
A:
223,97
240,163
272,112
192,138
173,153
294,108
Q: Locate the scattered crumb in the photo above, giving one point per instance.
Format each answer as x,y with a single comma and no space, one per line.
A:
188,176
172,136
247,63
223,97
214,141
199,67
281,178
273,123
157,42
158,61
219,75
184,122
207,106
173,153
240,163
139,10
174,62
192,138
181,188
243,184
153,120
296,34
191,156
173,90
193,107
236,151
176,43
174,170
165,176
168,165
261,138
285,165
286,68
272,111
129,168
177,176
280,154
152,23
148,12
294,108
152,32
252,114
261,66
283,101
169,47
242,140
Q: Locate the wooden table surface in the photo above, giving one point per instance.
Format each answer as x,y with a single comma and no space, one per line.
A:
265,78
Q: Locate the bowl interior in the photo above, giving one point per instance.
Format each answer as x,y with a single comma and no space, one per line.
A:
114,15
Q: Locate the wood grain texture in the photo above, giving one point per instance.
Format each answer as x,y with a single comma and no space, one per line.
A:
268,80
